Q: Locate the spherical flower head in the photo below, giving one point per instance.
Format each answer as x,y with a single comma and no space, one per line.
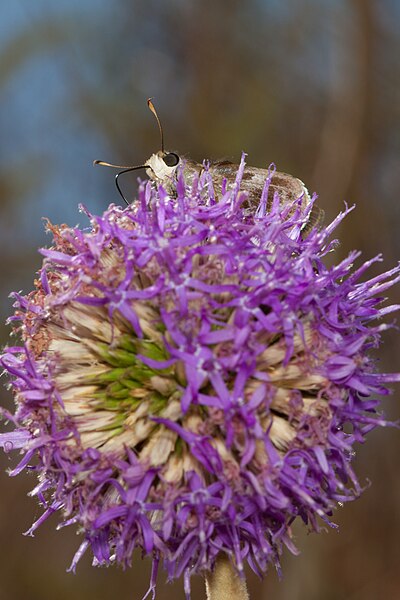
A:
192,378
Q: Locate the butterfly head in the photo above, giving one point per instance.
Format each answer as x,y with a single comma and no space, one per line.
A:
162,165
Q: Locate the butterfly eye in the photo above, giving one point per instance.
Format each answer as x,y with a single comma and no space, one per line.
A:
171,159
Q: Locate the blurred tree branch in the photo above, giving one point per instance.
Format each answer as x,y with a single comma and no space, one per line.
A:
343,135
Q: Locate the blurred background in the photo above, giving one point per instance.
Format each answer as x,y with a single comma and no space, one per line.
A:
313,86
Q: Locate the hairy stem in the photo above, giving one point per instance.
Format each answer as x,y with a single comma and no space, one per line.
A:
224,583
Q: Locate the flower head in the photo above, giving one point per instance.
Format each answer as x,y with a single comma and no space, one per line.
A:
193,378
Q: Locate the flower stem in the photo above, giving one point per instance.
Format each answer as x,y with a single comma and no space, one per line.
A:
224,583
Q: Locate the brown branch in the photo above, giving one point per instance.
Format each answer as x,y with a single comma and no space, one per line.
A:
345,128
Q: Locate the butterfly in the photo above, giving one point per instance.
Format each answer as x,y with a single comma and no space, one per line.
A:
162,168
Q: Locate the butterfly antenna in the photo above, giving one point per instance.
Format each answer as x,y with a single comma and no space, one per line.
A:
153,110
125,169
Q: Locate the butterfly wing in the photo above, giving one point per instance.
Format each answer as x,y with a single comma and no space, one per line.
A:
288,188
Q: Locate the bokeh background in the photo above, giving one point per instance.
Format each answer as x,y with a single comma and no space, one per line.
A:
313,85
